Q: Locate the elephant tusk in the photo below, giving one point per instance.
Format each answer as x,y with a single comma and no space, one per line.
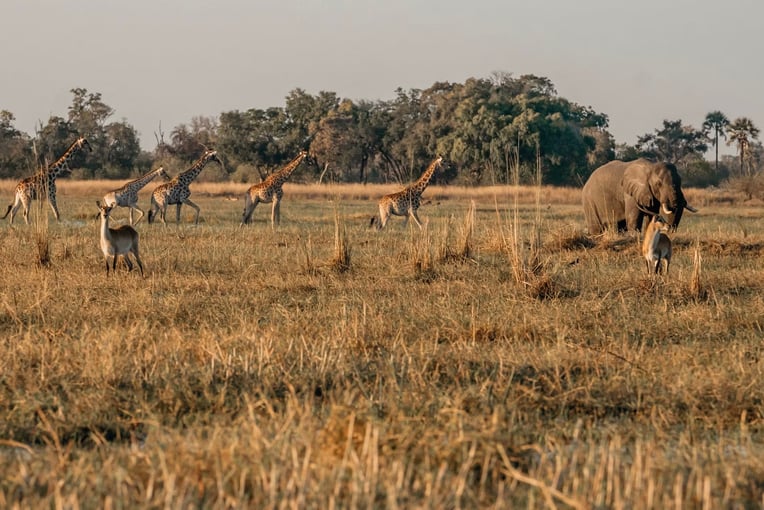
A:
690,208
665,209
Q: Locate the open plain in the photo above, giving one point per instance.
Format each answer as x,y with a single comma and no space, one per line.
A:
498,358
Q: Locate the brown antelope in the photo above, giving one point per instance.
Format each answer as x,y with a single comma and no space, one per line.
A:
656,246
122,240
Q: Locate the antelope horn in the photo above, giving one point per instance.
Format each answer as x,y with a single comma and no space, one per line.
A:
690,208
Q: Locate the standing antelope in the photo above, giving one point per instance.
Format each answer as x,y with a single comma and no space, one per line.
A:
656,246
122,240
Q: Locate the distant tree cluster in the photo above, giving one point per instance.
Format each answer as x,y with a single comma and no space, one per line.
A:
482,127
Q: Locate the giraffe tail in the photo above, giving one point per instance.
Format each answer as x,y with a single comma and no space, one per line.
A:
7,211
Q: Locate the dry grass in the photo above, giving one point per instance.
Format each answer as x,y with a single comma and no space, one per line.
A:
246,370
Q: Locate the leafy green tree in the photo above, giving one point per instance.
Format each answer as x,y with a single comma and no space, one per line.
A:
742,132
53,139
303,115
187,141
123,151
15,148
673,143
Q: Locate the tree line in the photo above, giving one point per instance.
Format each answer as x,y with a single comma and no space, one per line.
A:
489,130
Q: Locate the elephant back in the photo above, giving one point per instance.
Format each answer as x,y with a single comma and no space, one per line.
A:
603,199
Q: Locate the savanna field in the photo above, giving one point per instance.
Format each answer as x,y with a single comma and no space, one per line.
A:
499,358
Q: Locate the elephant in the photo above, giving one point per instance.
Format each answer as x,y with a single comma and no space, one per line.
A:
622,193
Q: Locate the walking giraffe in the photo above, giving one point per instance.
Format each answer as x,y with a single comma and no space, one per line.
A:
127,195
407,201
270,190
32,187
176,191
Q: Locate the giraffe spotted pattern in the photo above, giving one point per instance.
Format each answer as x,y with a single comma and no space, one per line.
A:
127,195
407,201
177,192
270,190
32,188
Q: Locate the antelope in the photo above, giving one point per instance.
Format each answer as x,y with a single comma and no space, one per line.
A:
122,240
656,246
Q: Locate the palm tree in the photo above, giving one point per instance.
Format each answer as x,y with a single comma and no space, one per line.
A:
717,123
741,132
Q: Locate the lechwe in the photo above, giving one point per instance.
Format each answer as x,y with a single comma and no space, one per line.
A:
656,246
122,240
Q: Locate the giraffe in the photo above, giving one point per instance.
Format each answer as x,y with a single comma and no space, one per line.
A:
406,202
270,190
127,195
176,191
31,188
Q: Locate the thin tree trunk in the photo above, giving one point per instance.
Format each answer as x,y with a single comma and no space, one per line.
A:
716,144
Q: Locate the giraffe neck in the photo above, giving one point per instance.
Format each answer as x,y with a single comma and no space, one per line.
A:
282,175
140,182
62,164
424,180
192,173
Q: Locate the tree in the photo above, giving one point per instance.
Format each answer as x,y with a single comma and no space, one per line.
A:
123,149
742,132
716,122
15,148
673,143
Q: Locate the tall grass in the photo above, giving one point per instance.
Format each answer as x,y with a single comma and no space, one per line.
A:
243,373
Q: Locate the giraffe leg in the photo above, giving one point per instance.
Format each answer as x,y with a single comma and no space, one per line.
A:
12,209
383,216
275,212
25,208
152,210
52,202
193,206
416,218
249,208
53,206
131,214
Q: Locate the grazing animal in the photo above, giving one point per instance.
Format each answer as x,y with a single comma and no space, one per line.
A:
176,191
122,240
407,201
270,190
621,194
33,187
656,246
127,195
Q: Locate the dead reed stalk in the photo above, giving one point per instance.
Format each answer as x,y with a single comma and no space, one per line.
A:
341,260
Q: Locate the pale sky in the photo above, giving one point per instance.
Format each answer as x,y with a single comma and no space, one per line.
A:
639,62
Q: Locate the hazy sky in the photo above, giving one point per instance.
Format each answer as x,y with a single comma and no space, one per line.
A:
639,62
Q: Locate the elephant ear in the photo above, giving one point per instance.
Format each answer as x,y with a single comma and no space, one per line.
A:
638,190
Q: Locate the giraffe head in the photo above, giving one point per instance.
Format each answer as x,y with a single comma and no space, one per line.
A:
82,142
